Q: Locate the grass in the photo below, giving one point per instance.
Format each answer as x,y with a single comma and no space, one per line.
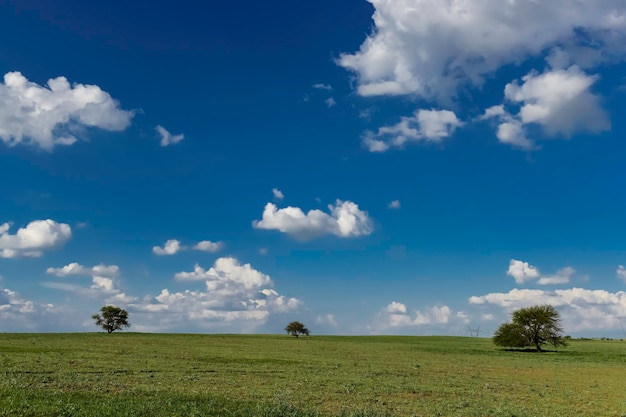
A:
132,374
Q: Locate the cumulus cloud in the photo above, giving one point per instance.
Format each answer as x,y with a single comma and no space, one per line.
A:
330,102
398,315
17,313
562,276
104,281
424,125
278,195
167,138
52,115
581,309
76,269
396,308
344,220
395,204
32,240
432,47
235,293
523,272
227,276
559,101
621,272
171,247
208,246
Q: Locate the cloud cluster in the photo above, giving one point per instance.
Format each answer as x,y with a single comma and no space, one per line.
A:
173,246
523,272
581,309
32,240
54,114
559,101
431,47
344,220
424,125
104,281
397,315
18,314
235,294
621,272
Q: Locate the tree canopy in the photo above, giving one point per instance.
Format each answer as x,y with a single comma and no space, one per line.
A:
112,318
531,327
295,328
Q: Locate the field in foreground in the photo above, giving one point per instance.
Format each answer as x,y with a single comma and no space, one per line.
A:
131,374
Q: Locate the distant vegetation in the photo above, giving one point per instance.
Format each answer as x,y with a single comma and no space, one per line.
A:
112,318
295,328
133,374
531,327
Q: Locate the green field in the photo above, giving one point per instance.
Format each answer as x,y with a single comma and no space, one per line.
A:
132,374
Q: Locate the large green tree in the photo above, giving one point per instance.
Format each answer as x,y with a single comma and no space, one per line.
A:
531,327
295,328
112,318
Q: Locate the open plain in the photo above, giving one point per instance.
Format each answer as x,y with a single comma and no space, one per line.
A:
133,374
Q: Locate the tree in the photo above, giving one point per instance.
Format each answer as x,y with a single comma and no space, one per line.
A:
295,328
531,327
112,318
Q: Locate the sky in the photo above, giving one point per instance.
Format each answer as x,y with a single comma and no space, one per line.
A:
419,167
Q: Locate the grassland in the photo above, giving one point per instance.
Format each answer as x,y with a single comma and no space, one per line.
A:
131,374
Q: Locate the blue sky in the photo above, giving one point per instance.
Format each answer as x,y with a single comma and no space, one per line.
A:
407,167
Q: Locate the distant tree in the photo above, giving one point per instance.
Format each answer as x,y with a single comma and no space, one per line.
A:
295,328
112,318
531,327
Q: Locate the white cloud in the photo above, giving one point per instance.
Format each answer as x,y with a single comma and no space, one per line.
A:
435,315
432,47
171,247
424,125
53,115
559,100
321,86
208,246
330,102
395,204
396,308
18,314
76,269
621,272
104,281
227,277
235,294
278,195
398,315
581,309
522,271
345,220
106,270
69,269
562,276
326,319
32,240
167,138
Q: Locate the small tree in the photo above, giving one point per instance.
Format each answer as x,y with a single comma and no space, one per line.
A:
295,328
531,327
112,318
